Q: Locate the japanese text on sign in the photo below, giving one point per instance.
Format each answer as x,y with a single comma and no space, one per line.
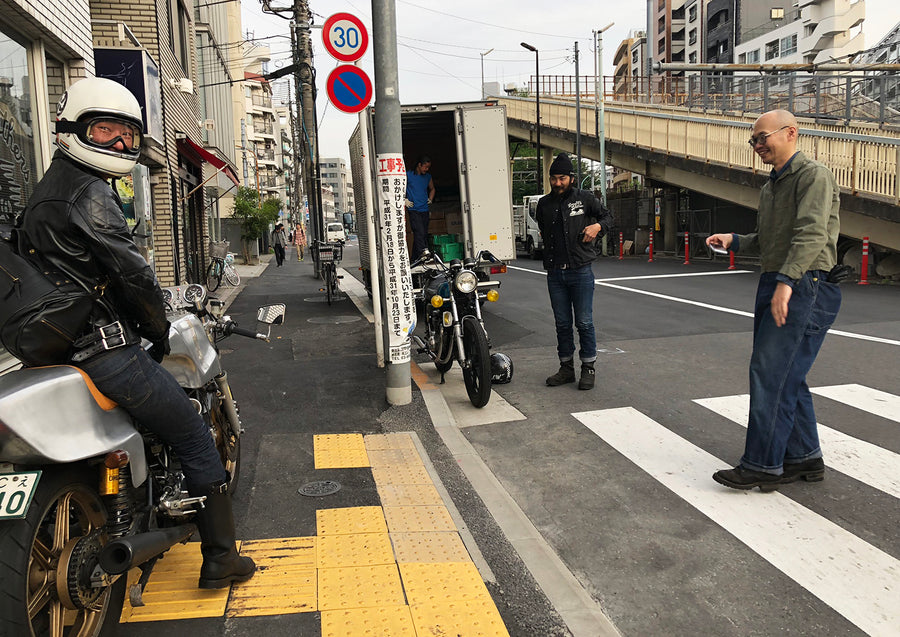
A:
391,187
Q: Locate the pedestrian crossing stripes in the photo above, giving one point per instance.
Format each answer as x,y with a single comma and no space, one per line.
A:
856,579
871,400
876,466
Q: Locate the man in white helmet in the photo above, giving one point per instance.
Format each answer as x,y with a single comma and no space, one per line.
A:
74,221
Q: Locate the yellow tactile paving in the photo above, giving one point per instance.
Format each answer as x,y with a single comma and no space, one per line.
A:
429,547
339,451
408,474
285,580
394,621
359,549
409,495
470,618
394,457
418,518
360,587
389,441
172,591
439,583
350,520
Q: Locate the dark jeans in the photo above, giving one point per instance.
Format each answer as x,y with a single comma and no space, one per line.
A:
418,221
279,253
572,291
782,425
152,396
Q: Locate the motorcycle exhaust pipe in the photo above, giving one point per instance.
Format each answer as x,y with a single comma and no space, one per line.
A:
122,554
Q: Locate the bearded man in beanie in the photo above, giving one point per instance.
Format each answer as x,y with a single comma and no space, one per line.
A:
571,220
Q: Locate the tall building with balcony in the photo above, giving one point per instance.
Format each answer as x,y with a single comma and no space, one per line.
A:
732,22
695,14
628,62
883,85
333,173
666,31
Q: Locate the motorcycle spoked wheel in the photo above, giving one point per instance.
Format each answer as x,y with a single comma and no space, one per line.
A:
445,349
228,446
477,375
58,541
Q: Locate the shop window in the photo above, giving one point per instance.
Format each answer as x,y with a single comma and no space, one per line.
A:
18,156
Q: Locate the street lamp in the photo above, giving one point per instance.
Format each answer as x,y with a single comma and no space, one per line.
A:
598,104
537,104
482,71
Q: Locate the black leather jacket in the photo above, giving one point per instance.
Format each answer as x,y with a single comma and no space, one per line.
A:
580,209
75,222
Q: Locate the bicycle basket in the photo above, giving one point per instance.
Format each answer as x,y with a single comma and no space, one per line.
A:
324,252
218,249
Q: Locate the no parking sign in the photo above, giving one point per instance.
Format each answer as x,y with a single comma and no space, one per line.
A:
349,88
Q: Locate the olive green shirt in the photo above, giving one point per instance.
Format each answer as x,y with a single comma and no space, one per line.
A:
798,223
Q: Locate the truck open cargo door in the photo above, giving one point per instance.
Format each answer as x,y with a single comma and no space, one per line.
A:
483,149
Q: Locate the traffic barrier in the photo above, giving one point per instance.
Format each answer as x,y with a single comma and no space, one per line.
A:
731,259
650,260
864,268
621,246
687,248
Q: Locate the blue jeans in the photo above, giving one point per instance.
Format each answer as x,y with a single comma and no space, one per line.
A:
782,425
152,396
572,290
418,221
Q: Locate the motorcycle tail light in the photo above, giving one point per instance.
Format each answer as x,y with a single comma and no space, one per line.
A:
437,301
116,459
498,269
492,295
448,319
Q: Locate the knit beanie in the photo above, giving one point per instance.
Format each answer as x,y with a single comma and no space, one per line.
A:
562,165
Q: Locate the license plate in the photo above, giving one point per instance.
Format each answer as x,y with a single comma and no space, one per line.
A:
16,491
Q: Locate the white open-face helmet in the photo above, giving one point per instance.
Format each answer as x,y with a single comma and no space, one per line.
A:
82,125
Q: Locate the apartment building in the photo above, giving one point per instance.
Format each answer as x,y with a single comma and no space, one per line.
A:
333,173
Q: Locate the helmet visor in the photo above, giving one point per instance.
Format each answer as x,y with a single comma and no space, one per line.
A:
108,132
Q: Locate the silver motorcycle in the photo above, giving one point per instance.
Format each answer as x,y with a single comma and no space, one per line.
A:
86,494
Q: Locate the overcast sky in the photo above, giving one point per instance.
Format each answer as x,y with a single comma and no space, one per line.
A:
440,45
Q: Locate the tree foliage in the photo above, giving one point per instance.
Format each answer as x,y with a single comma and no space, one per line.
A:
255,219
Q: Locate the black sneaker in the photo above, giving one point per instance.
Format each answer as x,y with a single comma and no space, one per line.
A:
746,479
812,470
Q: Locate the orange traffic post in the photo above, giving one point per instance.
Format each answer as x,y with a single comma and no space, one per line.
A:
687,248
731,259
650,260
864,268
621,246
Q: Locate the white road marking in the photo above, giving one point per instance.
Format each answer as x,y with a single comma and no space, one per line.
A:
876,466
717,308
673,276
871,400
457,399
856,579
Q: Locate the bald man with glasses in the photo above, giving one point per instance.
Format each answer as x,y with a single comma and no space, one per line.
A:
796,240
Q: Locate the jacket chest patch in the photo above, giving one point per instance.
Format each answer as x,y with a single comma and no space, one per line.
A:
576,208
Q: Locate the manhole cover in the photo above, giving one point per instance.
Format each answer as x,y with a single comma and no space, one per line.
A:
334,320
324,299
320,488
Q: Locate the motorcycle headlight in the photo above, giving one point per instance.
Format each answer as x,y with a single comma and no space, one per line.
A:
466,281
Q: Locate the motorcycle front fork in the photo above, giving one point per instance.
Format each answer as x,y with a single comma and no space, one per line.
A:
229,405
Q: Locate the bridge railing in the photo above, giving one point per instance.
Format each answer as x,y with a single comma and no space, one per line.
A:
865,161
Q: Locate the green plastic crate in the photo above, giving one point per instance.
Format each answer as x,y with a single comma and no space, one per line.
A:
450,251
443,239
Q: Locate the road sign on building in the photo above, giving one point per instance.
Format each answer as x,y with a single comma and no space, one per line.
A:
349,88
345,37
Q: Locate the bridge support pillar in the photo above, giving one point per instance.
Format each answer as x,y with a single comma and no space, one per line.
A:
547,153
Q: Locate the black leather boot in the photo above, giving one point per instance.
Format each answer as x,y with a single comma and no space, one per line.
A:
221,563
566,374
587,376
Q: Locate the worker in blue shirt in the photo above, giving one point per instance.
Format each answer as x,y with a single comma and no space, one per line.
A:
419,195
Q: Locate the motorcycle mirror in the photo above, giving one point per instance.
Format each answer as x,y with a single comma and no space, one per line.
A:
271,314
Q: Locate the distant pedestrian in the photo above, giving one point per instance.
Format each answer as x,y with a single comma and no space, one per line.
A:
279,240
419,195
570,220
796,238
299,240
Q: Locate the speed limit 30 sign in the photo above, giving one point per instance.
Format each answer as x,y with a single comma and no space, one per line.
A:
345,37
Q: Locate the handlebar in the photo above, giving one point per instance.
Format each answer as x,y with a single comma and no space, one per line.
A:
232,328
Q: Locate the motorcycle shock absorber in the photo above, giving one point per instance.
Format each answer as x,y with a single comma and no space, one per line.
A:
229,405
119,506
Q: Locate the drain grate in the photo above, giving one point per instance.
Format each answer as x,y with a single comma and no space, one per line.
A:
319,488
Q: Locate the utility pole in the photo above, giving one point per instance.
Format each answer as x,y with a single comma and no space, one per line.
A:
390,196
577,119
305,83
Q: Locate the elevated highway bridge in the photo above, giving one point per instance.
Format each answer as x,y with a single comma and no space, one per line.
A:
708,153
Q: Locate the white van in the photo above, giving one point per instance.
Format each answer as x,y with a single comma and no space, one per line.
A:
334,233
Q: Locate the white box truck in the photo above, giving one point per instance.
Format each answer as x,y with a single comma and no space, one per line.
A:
528,235
469,151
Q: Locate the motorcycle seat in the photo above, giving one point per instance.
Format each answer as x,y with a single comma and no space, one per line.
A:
105,403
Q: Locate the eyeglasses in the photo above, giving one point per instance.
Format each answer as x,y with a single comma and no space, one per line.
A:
762,137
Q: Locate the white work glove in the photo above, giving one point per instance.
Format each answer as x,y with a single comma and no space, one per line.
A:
429,202
409,203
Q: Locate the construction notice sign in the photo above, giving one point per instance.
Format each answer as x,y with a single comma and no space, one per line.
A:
400,308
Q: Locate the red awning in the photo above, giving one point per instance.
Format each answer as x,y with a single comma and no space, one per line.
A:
211,159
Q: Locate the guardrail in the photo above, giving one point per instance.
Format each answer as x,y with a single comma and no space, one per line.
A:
864,161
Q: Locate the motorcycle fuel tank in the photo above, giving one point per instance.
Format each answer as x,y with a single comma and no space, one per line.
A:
48,415
193,360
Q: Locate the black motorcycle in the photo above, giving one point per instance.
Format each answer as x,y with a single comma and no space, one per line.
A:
452,295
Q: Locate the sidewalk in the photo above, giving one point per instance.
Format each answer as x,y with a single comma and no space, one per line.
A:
389,551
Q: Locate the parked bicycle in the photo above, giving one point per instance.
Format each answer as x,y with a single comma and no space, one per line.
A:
221,267
328,255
